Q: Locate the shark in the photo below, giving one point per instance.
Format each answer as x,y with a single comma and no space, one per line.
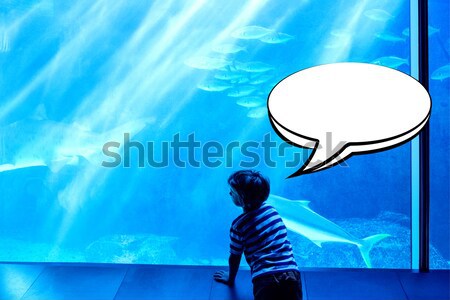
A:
42,142
301,219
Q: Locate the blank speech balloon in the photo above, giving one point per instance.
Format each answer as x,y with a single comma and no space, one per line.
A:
343,109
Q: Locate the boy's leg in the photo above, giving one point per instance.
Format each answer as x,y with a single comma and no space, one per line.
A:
278,287
266,291
290,290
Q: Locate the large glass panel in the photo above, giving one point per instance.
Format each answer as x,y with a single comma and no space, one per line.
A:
121,121
439,53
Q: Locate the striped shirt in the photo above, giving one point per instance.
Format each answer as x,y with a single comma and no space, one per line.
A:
262,237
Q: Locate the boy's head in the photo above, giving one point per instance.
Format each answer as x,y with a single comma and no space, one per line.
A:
251,187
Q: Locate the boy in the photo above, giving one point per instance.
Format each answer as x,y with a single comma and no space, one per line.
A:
260,234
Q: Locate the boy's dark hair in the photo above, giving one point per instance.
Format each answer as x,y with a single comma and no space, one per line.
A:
252,187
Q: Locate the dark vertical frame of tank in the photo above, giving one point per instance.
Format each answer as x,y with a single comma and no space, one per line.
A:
424,163
420,206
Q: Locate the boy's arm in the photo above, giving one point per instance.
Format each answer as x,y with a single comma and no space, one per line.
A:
229,277
233,262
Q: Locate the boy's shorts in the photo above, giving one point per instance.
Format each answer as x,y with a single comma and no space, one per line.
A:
278,286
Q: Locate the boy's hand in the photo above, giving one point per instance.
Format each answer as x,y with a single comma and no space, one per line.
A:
224,277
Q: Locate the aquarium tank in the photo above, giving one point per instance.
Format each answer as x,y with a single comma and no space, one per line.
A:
120,122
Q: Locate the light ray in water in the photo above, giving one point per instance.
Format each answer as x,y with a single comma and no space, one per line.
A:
140,90
137,79
332,53
160,68
12,29
347,28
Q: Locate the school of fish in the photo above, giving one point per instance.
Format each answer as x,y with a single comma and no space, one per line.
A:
247,82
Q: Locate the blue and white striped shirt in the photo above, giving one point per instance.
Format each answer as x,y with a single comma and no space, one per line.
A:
261,235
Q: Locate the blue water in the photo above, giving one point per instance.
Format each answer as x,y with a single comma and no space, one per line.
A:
120,123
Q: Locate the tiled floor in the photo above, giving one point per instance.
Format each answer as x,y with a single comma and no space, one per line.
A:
120,282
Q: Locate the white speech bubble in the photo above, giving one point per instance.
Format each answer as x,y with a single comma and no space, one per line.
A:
343,109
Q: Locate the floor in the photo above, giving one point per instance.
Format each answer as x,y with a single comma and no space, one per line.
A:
105,281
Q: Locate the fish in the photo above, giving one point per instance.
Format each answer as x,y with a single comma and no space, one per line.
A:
214,86
390,37
207,62
276,38
390,61
441,73
241,80
341,33
4,42
257,112
431,31
340,38
338,42
377,14
301,219
229,75
261,79
228,48
46,143
253,66
250,102
242,91
405,31
251,32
